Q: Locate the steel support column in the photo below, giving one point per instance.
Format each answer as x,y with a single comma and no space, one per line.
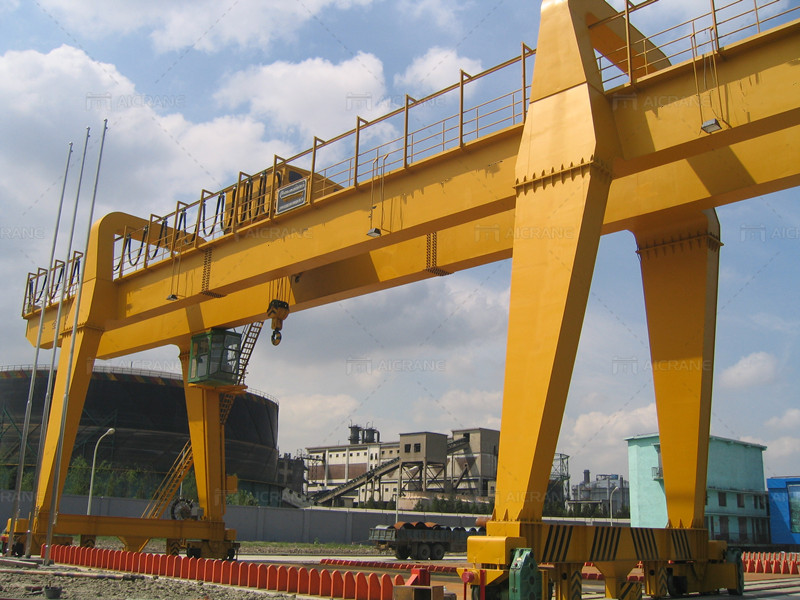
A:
680,268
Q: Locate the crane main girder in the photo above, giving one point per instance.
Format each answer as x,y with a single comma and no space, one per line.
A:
585,163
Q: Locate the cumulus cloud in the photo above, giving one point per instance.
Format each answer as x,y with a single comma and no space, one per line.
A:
436,69
781,455
201,24
596,440
319,417
442,12
152,156
754,369
459,409
789,420
312,97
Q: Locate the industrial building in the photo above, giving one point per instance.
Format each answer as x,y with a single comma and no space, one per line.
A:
736,499
784,511
418,466
605,491
147,410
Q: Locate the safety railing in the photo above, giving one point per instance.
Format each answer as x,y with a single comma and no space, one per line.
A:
44,288
373,149
723,24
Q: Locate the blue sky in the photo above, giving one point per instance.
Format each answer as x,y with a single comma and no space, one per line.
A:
197,91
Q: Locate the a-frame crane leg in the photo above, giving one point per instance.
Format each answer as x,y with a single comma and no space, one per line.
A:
207,435
680,266
75,379
559,215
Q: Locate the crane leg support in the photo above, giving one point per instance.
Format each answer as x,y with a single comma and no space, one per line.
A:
208,446
680,265
69,395
680,271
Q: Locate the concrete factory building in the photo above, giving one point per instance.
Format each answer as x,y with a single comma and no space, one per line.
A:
147,410
736,498
418,466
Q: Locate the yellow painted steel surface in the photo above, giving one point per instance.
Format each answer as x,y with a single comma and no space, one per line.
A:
586,161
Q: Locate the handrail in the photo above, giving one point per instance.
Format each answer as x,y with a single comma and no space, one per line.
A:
723,25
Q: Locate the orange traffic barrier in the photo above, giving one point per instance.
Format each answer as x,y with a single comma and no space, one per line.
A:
261,577
291,579
272,577
349,585
183,568
236,573
387,587
373,587
361,589
398,580
208,570
302,580
325,583
337,585
217,578
283,578
313,582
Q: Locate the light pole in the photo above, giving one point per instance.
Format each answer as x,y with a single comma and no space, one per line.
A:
611,506
110,431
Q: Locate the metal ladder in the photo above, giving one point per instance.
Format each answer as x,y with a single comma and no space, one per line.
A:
180,468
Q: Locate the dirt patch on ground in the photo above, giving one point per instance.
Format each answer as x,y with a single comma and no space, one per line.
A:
31,583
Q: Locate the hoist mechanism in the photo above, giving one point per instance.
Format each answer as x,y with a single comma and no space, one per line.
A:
278,311
584,148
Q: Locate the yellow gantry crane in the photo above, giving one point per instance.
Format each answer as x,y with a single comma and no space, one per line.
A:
616,130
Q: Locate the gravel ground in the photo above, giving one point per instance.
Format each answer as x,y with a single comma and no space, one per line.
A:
24,585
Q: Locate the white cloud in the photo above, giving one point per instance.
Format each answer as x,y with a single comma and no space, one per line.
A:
436,69
788,420
151,158
754,369
776,323
201,24
596,440
313,97
459,409
319,417
442,12
781,457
